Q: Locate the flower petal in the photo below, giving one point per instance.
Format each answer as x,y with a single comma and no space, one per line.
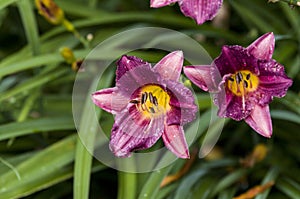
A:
263,47
109,100
182,102
272,81
170,66
161,3
200,76
200,10
233,106
131,131
260,120
235,58
175,141
126,63
135,78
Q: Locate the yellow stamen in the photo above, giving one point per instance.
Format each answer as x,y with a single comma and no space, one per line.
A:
153,101
242,82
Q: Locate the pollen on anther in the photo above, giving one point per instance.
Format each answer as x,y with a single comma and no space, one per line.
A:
144,98
151,109
155,102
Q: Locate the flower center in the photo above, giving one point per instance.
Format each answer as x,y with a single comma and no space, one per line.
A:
242,82
152,101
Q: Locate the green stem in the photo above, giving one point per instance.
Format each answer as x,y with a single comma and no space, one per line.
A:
70,27
127,181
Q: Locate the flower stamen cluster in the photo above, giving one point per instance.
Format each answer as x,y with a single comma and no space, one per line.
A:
242,82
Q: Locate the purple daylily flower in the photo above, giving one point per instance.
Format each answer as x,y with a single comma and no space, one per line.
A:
199,10
244,82
148,103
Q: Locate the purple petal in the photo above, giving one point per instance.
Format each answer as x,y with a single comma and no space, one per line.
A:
272,81
109,100
260,120
161,3
126,63
132,131
174,140
233,106
182,102
270,86
200,76
235,58
263,47
200,10
170,66
135,78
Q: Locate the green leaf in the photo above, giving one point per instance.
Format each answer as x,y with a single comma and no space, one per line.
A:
33,83
270,176
285,115
228,180
42,170
152,185
290,187
83,158
186,184
16,129
30,25
5,3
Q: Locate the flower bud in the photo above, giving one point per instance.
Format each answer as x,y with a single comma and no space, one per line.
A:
67,54
50,11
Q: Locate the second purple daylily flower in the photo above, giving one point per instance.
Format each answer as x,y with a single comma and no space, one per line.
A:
199,10
244,82
148,103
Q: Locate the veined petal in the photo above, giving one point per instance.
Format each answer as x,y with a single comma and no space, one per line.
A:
170,66
200,76
263,47
161,3
182,102
235,58
233,106
174,140
109,100
200,10
126,63
132,131
260,120
272,81
135,78
271,86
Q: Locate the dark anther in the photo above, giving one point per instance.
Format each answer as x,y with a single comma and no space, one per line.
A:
231,79
151,109
239,77
134,101
155,102
248,76
245,84
151,97
144,97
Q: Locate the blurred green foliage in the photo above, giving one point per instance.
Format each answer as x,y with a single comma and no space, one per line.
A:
40,152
